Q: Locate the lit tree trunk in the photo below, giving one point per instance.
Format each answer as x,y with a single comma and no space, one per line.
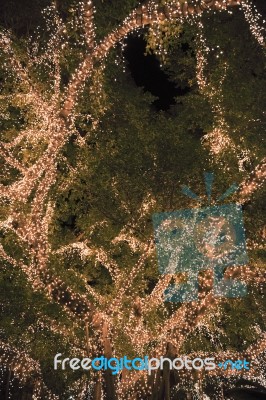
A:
156,386
97,390
33,228
9,372
109,379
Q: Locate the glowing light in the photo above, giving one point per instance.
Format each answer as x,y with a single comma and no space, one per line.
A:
34,152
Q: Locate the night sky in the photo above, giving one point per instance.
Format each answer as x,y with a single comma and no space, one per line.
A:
146,72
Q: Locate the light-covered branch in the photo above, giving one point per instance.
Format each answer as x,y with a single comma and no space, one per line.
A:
146,14
88,16
24,368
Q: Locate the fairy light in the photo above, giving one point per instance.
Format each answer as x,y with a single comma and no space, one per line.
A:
50,127
218,139
88,11
253,18
130,232
253,183
23,367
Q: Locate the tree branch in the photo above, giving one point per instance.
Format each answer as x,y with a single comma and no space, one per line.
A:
253,182
146,14
88,11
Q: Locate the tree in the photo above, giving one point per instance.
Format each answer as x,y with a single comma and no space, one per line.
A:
60,104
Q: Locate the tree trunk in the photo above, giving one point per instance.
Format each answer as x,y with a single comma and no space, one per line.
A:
97,390
156,386
162,387
150,384
221,392
166,382
109,378
7,384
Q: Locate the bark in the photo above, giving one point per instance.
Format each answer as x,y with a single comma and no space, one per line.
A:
150,384
7,384
109,379
156,387
162,386
97,392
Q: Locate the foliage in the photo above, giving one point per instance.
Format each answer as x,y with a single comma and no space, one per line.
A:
123,161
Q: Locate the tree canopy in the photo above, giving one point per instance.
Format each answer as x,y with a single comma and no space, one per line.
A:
88,157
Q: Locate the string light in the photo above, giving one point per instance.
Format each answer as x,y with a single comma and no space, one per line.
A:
253,17
24,368
52,121
218,140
